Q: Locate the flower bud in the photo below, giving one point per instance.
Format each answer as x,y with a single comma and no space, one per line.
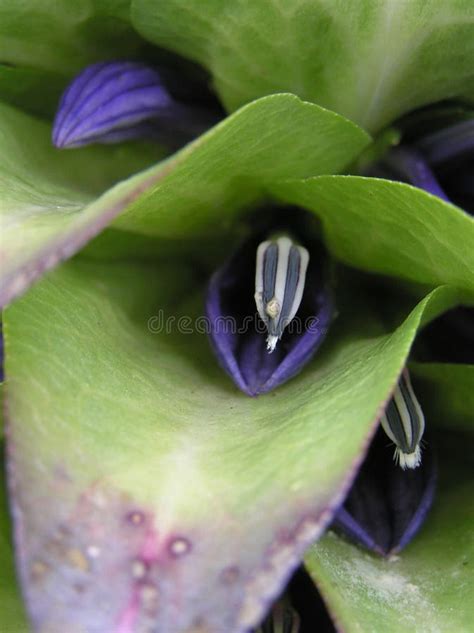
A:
279,283
110,102
282,279
404,423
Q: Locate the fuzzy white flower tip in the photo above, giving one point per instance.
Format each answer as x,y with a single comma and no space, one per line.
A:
408,460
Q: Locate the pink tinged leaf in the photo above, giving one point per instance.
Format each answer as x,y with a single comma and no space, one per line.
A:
146,492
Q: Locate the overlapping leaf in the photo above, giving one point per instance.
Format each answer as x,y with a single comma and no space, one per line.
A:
42,45
160,492
371,61
428,587
62,37
390,227
48,197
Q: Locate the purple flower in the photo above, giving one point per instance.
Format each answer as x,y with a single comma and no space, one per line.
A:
110,102
262,351
390,499
436,154
386,505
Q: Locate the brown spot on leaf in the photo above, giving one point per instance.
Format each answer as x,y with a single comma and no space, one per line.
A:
230,574
136,518
77,559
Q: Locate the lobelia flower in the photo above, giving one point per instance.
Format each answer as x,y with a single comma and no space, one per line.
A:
389,500
278,279
111,102
436,154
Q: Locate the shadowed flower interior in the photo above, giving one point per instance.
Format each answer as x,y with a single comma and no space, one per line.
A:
386,505
238,334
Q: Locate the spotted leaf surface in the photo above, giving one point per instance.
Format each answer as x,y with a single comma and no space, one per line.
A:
160,491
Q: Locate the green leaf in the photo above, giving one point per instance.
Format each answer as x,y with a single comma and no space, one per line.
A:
370,61
447,393
140,472
46,196
63,37
48,203
12,613
425,589
390,228
236,163
35,91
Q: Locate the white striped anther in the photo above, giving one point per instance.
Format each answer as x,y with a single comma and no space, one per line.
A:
279,284
404,423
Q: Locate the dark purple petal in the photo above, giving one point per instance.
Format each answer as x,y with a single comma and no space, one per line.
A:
448,143
386,505
238,336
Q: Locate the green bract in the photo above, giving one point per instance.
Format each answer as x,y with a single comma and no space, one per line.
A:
109,419
371,61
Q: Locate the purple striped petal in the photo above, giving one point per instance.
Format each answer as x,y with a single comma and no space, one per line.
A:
238,336
386,505
109,102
